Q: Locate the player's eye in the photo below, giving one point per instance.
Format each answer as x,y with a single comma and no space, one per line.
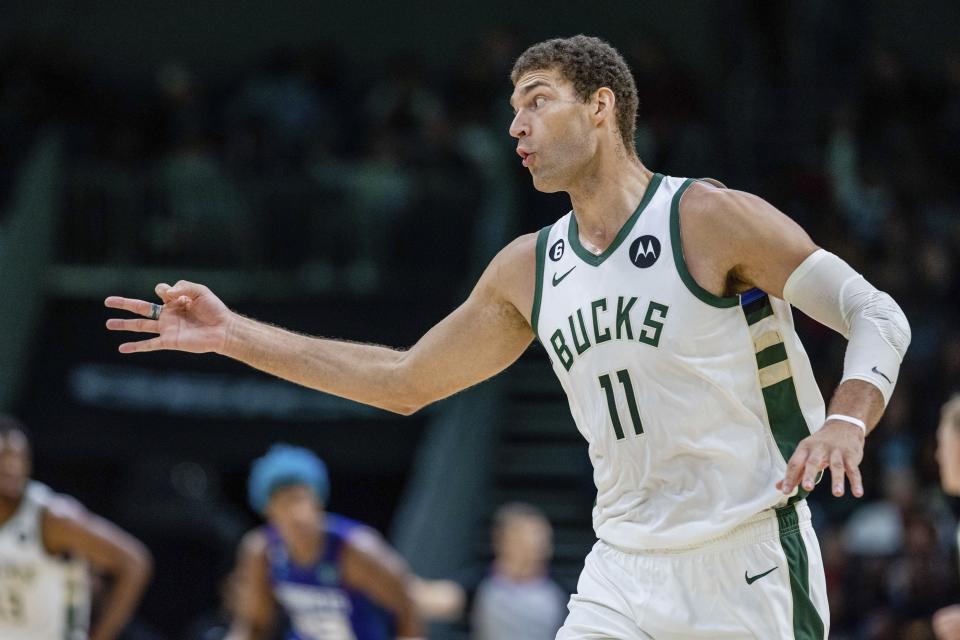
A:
539,101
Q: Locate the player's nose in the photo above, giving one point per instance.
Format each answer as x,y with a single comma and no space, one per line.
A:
519,127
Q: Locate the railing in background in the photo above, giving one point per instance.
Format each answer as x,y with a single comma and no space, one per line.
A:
25,250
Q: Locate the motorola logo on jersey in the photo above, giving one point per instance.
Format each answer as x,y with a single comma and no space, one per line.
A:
644,251
556,251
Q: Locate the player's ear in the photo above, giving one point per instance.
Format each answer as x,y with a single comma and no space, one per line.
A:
603,103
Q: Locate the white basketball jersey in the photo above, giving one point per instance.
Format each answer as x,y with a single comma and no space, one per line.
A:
42,597
690,403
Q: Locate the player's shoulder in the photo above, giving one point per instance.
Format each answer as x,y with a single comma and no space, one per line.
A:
520,251
710,203
63,519
703,198
515,263
708,211
511,274
59,507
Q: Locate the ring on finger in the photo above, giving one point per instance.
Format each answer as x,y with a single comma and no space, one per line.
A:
155,310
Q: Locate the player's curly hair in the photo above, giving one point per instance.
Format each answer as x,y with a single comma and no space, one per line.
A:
588,63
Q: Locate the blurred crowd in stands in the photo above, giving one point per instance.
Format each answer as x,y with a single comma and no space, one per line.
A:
306,161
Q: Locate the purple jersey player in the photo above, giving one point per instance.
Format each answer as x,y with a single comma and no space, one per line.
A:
333,577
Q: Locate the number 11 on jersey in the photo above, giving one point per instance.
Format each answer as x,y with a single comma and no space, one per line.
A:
624,377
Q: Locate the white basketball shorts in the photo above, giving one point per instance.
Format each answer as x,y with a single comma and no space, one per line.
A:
762,580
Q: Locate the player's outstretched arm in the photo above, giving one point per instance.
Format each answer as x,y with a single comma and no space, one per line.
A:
68,528
766,249
476,341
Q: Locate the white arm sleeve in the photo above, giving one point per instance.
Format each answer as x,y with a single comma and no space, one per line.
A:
828,290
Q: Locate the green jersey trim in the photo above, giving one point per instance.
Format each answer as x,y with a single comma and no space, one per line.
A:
786,419
692,285
542,238
771,356
595,260
787,423
807,624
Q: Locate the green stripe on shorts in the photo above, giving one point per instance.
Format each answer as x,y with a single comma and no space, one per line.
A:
807,624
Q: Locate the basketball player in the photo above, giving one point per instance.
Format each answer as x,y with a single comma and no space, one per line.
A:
664,305
48,543
330,575
946,622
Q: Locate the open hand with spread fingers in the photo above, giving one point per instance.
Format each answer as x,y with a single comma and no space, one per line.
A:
837,446
191,318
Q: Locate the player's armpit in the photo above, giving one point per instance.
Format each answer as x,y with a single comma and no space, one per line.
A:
382,583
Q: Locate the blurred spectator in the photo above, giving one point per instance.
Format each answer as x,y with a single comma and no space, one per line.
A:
518,599
514,597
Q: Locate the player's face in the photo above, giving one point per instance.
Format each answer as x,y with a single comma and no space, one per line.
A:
552,126
14,464
948,457
295,511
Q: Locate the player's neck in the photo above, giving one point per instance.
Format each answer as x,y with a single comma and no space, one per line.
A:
522,571
305,554
306,550
606,196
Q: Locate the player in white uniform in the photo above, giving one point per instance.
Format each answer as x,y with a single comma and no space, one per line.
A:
48,545
664,305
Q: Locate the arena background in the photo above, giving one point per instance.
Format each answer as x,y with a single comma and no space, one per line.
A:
344,169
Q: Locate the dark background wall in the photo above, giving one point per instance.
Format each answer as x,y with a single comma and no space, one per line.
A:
127,38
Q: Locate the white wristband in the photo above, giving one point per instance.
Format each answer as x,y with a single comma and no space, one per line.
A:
850,419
